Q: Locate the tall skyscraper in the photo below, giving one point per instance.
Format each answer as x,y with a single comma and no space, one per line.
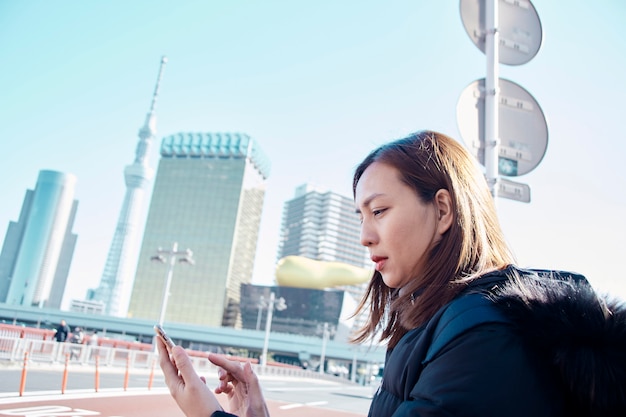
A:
322,225
38,248
208,197
117,279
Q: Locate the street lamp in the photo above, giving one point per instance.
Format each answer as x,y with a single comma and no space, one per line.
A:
261,306
280,306
326,333
354,364
185,256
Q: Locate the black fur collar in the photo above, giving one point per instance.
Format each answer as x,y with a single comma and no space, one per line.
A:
580,333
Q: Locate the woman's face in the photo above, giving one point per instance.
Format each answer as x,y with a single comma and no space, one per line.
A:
396,226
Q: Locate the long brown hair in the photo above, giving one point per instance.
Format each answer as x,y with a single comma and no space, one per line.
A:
428,162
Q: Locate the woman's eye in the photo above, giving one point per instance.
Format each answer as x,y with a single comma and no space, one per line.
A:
377,212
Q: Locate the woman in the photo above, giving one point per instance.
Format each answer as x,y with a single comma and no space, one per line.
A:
429,222
468,333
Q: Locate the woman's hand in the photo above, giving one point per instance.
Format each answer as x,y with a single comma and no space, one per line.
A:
241,385
189,390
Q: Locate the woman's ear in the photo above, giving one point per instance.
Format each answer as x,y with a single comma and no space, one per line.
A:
443,204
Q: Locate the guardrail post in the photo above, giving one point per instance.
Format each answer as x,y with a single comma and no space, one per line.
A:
127,372
151,375
23,380
97,373
64,381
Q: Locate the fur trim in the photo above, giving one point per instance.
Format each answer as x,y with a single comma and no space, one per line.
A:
580,333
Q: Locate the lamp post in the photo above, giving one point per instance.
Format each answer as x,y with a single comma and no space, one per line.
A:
261,306
280,305
326,332
173,253
354,365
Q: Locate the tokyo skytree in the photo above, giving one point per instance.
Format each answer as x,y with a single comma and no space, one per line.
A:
117,279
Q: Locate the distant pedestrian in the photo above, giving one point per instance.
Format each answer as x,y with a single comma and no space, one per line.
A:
93,345
77,338
61,332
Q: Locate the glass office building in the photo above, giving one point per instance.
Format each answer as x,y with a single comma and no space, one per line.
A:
38,248
208,198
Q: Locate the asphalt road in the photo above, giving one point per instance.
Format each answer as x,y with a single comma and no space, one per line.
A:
43,397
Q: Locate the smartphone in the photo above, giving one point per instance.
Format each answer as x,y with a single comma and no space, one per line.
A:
166,339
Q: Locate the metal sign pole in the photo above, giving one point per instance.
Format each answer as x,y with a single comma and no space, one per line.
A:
492,138
508,32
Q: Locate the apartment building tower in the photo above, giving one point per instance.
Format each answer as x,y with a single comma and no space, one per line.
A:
322,225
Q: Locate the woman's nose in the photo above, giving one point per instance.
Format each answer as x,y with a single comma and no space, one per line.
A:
368,237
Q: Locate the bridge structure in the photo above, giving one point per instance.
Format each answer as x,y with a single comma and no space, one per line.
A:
224,339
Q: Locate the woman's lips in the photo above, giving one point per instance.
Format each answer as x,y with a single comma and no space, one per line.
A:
379,261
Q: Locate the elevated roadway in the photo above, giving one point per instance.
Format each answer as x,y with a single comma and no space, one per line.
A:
185,334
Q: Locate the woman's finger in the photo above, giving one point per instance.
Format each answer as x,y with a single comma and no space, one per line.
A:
184,365
170,371
231,367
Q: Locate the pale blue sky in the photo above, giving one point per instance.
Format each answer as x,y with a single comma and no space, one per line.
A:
318,85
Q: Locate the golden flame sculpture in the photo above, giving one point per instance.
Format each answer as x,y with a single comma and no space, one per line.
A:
301,272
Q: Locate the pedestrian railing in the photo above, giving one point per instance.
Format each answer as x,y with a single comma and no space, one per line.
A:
46,351
25,351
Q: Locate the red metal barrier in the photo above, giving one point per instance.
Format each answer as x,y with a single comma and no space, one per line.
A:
46,334
34,333
26,332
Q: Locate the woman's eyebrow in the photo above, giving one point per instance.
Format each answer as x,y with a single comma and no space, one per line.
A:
367,201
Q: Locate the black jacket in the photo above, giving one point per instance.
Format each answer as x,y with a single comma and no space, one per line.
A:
515,343
61,332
